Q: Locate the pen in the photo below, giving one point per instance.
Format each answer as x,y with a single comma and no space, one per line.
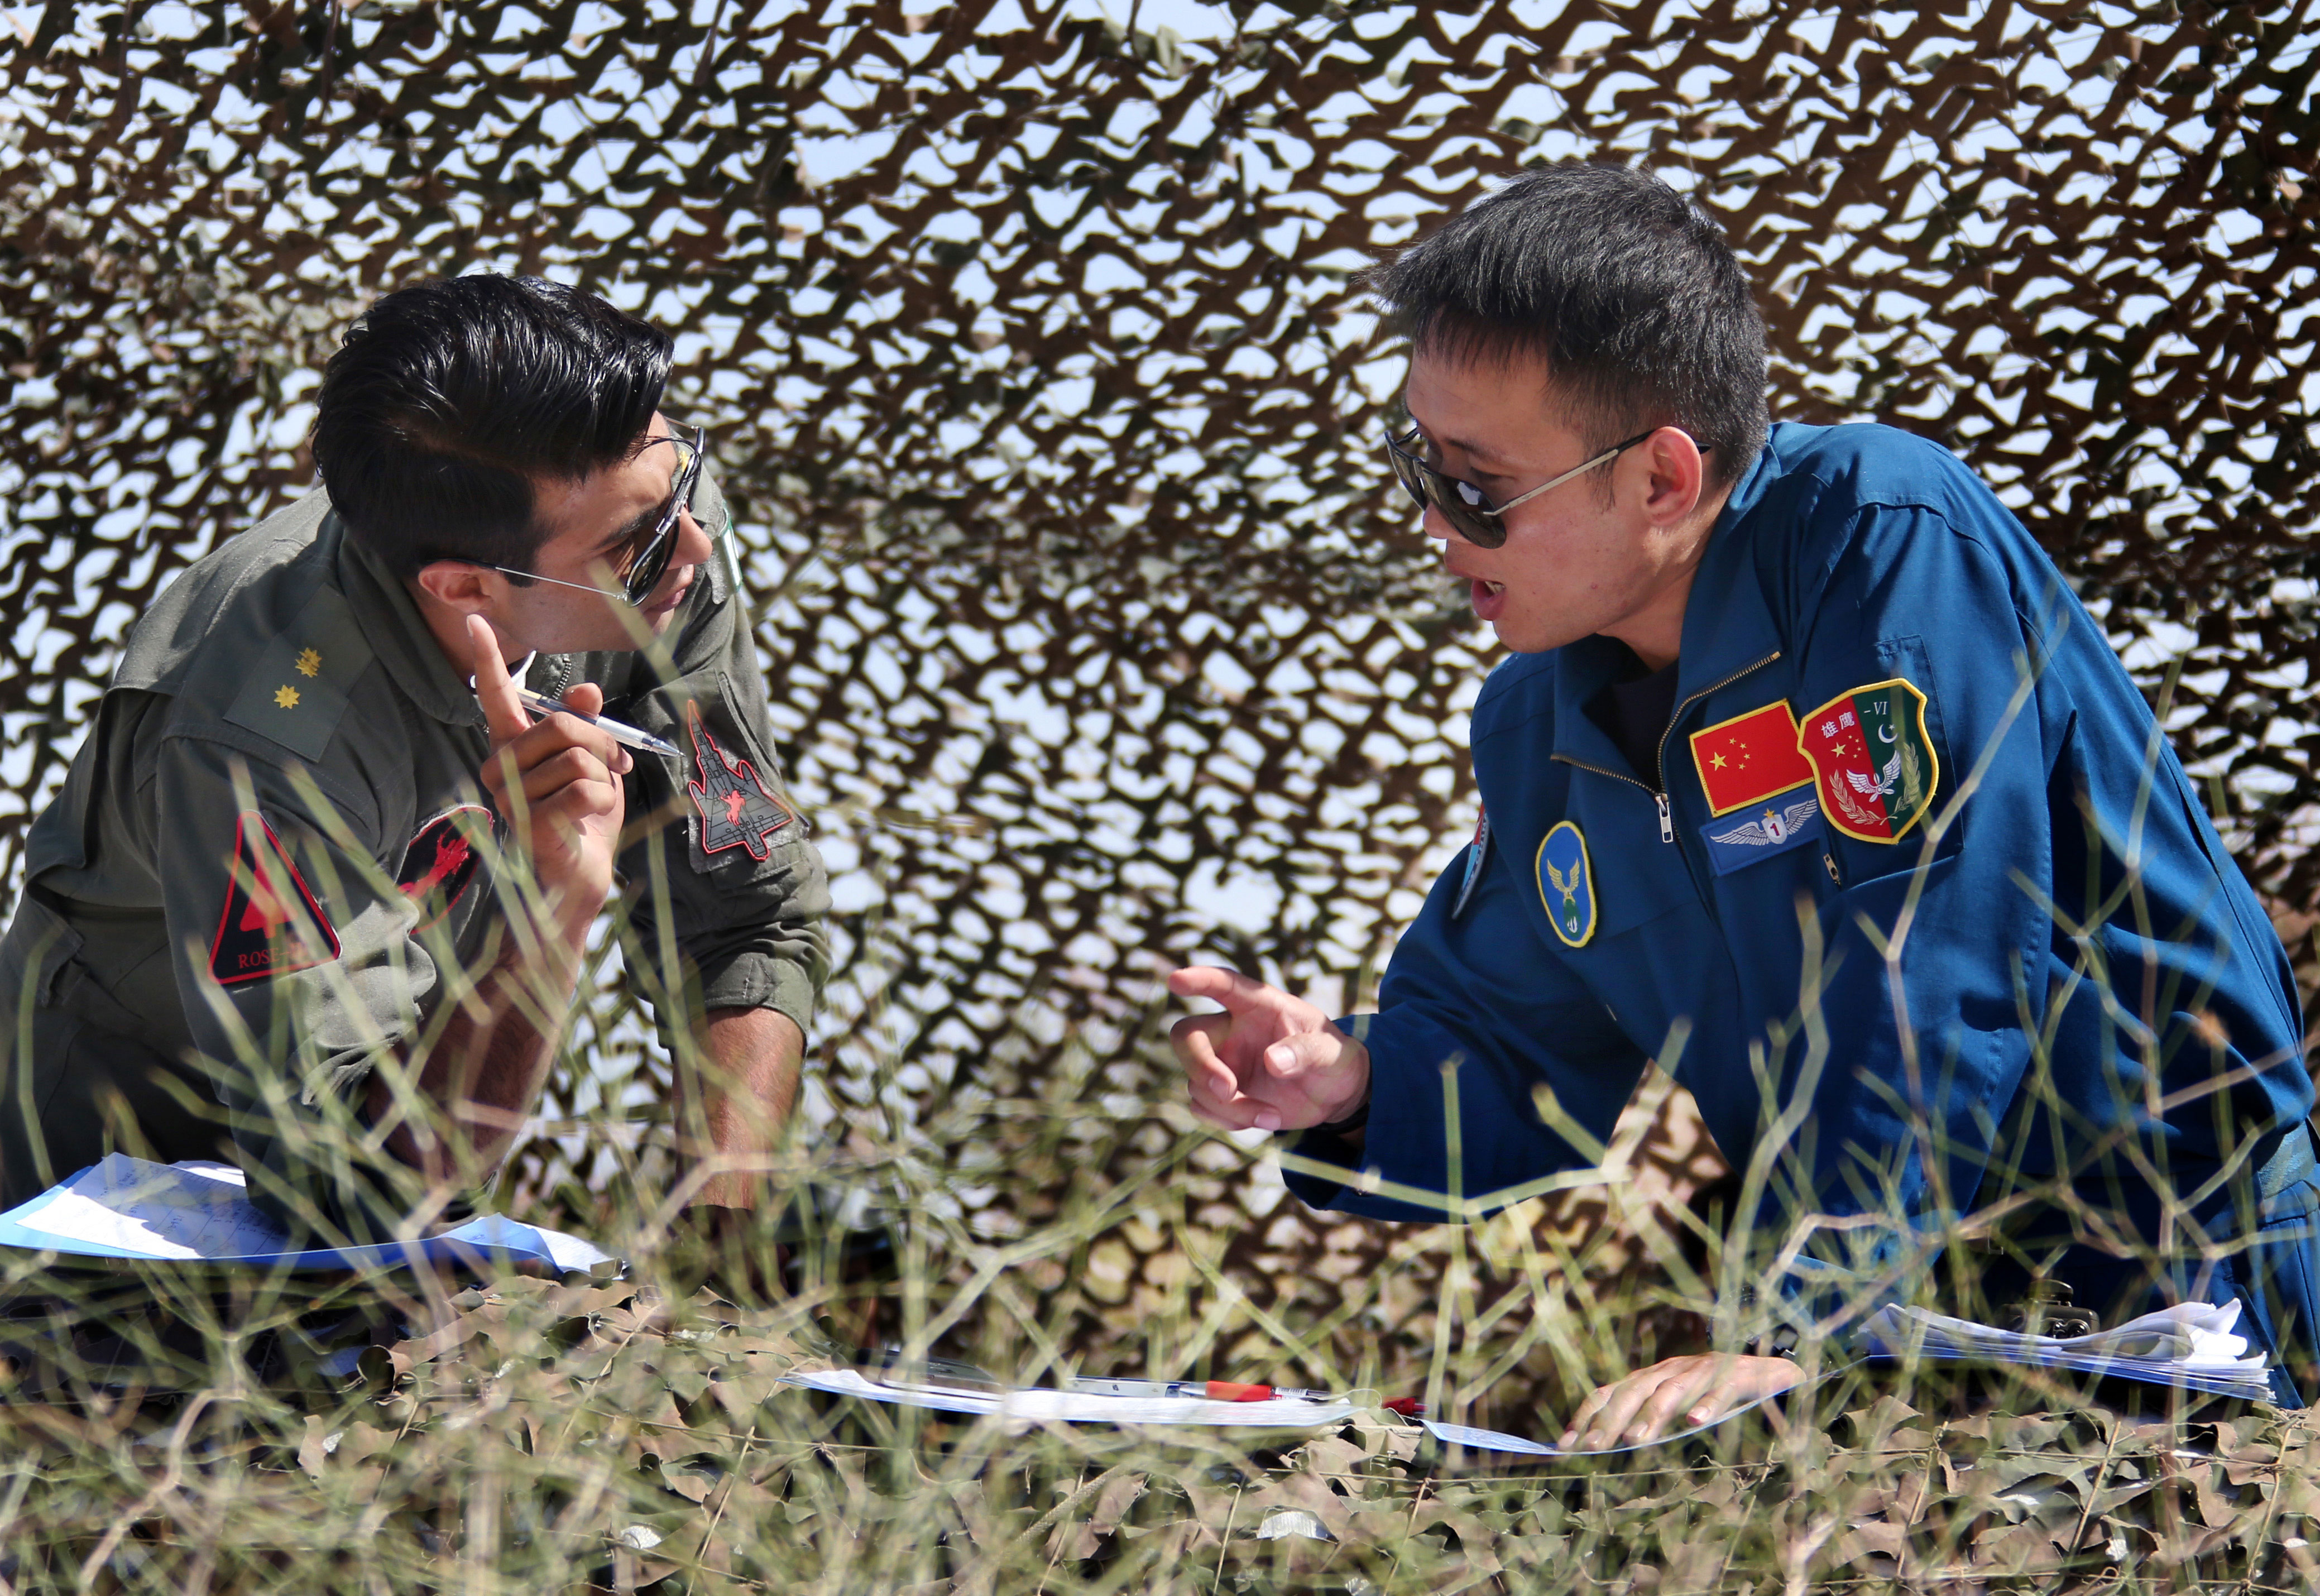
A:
1223,1391
626,735
1213,1391
1227,1391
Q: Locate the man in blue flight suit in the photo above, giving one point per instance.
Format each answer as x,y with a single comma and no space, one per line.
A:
1809,773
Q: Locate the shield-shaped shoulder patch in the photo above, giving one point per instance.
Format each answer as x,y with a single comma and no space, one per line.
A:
1875,765
1566,884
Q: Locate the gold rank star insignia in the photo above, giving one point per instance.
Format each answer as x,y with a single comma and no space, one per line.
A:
310,663
286,697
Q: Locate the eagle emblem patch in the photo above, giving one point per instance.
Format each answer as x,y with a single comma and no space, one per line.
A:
441,860
271,925
1566,884
1874,765
737,809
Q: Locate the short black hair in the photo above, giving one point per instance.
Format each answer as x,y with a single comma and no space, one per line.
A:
448,402
1624,286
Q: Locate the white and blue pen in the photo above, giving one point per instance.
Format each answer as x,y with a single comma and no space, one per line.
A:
626,736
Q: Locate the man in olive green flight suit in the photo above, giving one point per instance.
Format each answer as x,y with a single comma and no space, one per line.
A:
298,845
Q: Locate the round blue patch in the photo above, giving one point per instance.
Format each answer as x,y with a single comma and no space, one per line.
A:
1566,884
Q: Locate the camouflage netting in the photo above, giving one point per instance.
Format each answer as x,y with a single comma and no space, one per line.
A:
1097,636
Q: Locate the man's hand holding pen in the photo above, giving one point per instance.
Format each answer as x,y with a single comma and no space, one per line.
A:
556,779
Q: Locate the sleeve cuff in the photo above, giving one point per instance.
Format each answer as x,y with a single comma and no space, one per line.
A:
757,981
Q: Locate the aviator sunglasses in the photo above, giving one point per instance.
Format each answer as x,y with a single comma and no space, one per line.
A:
641,568
1467,508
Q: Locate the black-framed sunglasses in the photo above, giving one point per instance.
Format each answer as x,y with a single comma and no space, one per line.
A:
641,567
1467,508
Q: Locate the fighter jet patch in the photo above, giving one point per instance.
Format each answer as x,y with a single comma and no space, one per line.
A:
271,925
1566,884
737,809
441,860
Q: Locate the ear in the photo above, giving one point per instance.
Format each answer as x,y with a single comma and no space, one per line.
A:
1678,476
469,590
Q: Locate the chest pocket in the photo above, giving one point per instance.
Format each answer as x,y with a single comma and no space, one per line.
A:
1636,877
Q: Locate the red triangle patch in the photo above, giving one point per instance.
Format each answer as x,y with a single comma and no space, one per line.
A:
271,924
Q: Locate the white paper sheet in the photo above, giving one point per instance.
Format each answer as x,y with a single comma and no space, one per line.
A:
161,1211
1040,1406
2193,1343
203,1211
1488,1440
2191,1336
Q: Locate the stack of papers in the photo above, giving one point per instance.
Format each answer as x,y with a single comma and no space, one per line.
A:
129,1208
2193,1345
1034,1405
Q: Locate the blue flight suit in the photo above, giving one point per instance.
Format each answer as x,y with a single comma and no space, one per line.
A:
2076,904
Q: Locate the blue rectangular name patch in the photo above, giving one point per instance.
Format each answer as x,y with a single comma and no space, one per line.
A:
1752,834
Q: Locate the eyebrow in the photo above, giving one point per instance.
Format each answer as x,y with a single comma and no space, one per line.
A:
1473,451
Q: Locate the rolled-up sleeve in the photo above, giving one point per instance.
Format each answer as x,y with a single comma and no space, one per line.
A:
724,875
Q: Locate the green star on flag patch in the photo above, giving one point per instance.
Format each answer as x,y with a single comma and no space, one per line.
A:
1875,765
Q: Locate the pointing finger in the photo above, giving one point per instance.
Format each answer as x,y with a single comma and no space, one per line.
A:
504,712
1235,990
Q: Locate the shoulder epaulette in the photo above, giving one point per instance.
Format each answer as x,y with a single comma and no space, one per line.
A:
297,691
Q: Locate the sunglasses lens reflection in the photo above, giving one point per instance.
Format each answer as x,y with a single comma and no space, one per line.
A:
651,562
1458,502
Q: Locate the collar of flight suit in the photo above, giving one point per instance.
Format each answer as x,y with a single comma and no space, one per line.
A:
1727,631
397,633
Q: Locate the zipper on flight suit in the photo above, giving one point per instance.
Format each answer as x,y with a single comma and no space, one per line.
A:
1659,794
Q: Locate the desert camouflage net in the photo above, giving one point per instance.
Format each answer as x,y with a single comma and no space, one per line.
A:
1097,636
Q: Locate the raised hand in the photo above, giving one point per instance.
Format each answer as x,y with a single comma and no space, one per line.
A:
556,779
1269,1061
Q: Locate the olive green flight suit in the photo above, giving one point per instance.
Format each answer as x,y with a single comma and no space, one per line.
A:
272,863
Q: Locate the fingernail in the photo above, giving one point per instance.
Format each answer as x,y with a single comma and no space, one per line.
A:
1267,1119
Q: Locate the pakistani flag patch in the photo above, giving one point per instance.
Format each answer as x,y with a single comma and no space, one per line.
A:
1874,765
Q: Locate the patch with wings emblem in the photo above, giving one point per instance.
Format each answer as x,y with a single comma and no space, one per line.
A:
1566,884
1876,766
1787,821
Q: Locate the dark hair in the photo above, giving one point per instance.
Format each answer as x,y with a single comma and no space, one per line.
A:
1622,285
446,402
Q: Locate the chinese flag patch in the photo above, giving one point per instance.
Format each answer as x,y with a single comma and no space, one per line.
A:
1749,757
737,808
271,925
